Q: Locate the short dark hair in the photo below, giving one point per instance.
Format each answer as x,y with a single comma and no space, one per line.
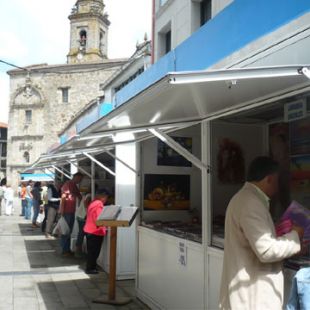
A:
261,167
78,174
103,191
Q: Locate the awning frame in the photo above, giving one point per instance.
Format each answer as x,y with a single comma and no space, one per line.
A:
93,159
178,148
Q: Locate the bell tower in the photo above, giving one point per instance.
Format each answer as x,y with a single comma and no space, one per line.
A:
89,32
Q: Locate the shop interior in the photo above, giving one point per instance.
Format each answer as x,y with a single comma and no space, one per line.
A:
266,130
171,186
102,179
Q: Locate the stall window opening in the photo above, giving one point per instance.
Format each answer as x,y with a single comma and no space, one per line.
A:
239,138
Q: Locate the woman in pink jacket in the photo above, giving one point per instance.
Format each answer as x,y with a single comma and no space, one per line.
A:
94,234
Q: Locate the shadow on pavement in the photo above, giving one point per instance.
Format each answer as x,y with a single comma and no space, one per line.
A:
45,253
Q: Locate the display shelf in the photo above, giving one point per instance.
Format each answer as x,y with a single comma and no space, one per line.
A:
187,231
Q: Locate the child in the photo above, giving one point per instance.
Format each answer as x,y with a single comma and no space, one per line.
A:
94,234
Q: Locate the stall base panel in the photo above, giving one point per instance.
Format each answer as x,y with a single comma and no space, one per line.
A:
163,278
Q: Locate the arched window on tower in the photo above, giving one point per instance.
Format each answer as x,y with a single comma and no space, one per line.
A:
83,38
26,157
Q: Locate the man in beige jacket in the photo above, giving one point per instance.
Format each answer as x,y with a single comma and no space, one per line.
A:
252,275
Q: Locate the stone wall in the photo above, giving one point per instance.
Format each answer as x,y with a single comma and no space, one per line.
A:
41,94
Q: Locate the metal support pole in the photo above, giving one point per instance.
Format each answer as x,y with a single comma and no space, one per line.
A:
80,168
121,161
99,163
66,175
178,148
51,171
66,171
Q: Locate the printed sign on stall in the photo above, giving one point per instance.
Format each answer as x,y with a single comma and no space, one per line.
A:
295,110
182,254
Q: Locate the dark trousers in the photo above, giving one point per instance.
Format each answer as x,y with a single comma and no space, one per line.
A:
65,240
81,234
94,243
43,225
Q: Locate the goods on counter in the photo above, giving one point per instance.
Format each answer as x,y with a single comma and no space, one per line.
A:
298,215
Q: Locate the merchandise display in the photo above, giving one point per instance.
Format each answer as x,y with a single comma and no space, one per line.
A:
188,231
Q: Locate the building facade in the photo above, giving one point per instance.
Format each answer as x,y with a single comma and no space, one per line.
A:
3,149
176,20
45,98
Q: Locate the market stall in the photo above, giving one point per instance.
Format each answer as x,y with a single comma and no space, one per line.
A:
218,121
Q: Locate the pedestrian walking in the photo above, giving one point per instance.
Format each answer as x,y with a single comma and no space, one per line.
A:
9,198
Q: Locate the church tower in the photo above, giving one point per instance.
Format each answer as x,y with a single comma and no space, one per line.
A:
89,32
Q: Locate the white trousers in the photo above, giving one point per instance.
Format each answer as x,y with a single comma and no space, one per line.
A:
8,207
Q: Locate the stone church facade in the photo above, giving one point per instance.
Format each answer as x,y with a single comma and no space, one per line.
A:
45,98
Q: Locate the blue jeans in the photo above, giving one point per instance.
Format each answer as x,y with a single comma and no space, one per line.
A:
24,205
300,291
28,208
65,240
36,210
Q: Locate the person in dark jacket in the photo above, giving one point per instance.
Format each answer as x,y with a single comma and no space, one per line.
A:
53,197
36,200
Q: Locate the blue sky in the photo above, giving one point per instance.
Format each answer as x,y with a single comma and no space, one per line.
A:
37,31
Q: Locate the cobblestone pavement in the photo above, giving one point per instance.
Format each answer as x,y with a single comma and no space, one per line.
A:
34,275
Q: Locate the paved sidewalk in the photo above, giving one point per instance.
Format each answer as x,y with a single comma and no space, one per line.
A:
33,274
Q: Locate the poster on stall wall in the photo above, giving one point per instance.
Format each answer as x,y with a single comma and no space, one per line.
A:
166,156
230,162
300,179
166,192
300,137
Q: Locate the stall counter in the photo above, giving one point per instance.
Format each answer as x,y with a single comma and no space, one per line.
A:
170,271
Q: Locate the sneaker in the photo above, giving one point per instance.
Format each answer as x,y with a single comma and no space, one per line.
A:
91,271
34,226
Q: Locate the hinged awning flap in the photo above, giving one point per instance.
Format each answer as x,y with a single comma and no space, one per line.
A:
183,99
195,96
